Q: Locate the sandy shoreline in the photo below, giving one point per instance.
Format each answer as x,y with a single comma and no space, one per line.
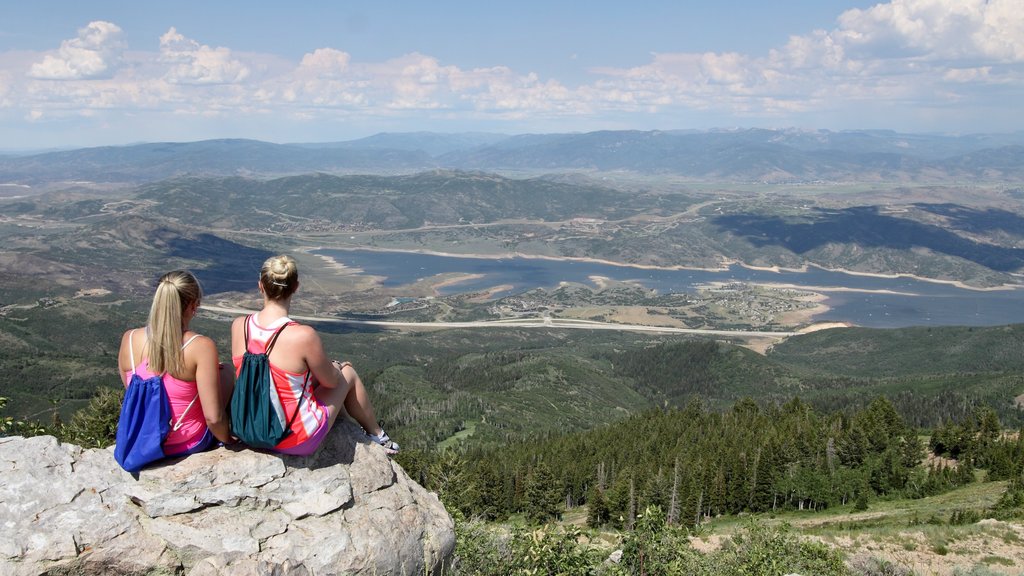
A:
453,280
329,262
833,289
805,316
725,266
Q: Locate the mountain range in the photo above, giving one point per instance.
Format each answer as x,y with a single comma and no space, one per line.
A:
748,155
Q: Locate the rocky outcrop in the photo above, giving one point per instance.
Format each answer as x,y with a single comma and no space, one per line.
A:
348,509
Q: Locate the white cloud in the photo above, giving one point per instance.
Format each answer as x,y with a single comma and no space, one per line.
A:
819,50
324,63
968,74
95,53
193,63
936,30
904,51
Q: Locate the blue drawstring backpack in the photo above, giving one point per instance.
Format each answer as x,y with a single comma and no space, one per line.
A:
145,419
144,423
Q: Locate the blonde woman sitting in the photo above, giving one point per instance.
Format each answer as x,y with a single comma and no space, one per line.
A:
313,389
197,388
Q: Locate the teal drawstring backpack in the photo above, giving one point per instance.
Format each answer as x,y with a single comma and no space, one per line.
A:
257,415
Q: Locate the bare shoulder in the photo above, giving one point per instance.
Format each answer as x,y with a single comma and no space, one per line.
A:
128,335
302,333
124,356
201,343
238,323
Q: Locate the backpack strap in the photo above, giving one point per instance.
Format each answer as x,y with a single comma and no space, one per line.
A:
131,352
131,347
270,346
177,424
273,339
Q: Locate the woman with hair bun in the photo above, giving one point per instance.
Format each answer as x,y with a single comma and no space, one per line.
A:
197,388
297,358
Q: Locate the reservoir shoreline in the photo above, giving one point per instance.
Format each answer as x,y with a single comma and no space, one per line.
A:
725,267
871,300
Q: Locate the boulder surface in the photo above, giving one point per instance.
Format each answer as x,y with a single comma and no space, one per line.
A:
348,509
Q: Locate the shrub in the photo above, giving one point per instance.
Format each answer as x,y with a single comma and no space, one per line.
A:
549,551
654,548
10,426
961,517
94,426
772,551
867,566
977,570
478,550
483,551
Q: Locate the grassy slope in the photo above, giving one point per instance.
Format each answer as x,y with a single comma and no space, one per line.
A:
912,534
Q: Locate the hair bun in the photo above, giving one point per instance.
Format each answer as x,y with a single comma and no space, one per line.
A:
279,276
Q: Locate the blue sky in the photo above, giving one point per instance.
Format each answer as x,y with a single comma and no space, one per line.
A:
93,73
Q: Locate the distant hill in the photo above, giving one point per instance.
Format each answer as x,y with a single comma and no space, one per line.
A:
756,154
866,352
148,162
433,143
382,202
739,155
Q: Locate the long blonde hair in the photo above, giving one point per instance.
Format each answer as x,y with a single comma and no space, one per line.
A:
279,277
175,292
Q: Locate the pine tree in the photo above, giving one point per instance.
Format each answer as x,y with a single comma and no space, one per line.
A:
673,506
597,508
543,495
454,485
490,493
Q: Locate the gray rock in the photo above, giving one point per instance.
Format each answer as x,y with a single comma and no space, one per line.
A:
348,509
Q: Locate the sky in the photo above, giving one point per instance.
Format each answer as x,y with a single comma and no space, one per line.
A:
106,72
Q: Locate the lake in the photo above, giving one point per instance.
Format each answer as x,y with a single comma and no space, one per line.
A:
852,298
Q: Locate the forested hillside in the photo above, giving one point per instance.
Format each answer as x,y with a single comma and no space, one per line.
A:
919,351
695,463
500,385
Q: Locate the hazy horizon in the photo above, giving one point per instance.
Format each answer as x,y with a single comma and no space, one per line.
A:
76,75
30,150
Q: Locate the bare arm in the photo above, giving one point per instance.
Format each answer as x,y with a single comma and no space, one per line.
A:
204,351
238,336
124,358
324,370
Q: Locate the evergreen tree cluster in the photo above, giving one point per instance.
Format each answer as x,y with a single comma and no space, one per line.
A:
980,442
694,463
